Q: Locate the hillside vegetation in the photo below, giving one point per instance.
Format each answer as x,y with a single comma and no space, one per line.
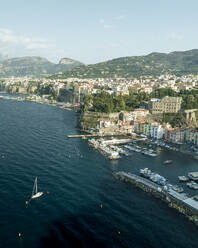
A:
178,63
34,66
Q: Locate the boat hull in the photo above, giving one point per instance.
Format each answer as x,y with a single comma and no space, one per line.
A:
37,195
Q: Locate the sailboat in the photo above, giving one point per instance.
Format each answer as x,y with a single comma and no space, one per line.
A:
35,193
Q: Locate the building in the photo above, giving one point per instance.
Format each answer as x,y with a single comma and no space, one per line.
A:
147,129
120,90
174,135
191,136
103,124
138,126
165,105
157,131
140,112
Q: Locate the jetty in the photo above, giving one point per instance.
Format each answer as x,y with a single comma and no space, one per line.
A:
104,149
104,135
82,135
179,201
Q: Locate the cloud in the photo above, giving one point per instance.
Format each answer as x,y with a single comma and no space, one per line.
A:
121,17
174,36
101,21
17,45
105,25
171,36
10,38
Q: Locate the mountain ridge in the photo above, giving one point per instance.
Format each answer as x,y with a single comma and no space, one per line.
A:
177,62
155,63
33,66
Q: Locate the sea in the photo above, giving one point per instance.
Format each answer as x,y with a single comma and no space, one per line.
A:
82,205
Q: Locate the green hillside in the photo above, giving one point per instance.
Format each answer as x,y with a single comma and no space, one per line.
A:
34,66
178,63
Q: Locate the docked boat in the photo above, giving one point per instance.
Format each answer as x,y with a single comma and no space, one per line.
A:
145,172
193,175
154,177
192,185
177,189
168,162
149,153
183,178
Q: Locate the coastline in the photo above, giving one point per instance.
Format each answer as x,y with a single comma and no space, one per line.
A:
29,98
183,148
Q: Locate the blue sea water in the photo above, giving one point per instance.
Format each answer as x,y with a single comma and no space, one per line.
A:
33,142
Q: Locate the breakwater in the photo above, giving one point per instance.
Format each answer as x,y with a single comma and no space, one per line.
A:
181,202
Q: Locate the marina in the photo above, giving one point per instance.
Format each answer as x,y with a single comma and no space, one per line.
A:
158,186
111,150
104,149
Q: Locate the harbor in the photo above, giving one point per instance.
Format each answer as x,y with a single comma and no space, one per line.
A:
160,188
77,169
115,148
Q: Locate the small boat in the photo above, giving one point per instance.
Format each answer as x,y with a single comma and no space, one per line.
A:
168,162
183,178
177,189
35,193
192,185
153,154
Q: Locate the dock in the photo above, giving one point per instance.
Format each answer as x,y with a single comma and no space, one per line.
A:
117,141
83,135
184,204
103,135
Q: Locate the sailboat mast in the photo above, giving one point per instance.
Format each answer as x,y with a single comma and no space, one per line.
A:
36,186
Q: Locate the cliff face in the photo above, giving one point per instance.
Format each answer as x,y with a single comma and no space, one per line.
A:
89,120
68,61
34,66
61,95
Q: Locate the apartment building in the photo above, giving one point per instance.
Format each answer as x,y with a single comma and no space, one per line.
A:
165,105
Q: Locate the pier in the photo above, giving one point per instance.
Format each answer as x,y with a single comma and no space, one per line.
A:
93,135
184,204
104,135
82,135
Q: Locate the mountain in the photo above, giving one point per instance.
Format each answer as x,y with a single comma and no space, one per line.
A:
68,61
3,57
178,63
34,66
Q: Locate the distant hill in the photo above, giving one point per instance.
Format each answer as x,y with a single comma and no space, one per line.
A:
3,57
178,63
34,66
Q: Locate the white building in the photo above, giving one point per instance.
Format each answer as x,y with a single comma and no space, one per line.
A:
157,131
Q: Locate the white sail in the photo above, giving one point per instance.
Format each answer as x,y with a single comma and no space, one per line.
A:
35,193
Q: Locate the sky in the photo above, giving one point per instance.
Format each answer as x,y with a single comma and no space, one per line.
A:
93,31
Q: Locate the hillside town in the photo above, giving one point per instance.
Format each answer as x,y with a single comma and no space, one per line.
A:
117,86
140,122
145,120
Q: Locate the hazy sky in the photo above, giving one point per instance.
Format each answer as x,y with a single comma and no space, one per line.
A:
96,30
